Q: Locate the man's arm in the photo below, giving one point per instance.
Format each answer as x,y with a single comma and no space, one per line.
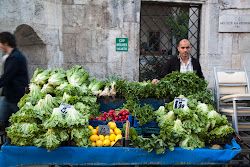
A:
197,68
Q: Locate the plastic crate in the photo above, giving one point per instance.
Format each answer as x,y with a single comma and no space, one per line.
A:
107,103
139,131
146,131
154,102
149,124
119,124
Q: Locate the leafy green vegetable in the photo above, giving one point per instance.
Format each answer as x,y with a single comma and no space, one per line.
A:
95,84
81,136
58,77
45,107
77,75
22,133
74,117
51,139
42,77
190,142
56,120
143,113
47,89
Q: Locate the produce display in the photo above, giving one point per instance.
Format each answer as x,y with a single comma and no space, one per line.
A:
190,127
172,85
113,115
40,121
61,104
108,140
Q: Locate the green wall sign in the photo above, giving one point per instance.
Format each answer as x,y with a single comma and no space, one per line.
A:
122,44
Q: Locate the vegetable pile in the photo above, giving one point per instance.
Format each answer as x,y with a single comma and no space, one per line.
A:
189,127
39,121
113,115
172,85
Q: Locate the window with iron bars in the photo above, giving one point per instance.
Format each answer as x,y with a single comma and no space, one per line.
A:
162,26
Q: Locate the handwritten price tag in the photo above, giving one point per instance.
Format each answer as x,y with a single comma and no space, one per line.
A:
64,108
104,130
179,102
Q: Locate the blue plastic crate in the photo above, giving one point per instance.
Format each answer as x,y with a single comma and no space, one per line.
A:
119,124
139,131
146,131
149,124
154,102
108,103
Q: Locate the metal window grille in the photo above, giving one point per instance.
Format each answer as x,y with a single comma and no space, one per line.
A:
162,26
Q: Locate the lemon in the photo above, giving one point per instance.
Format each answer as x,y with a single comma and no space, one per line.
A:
112,137
112,125
106,143
107,137
117,131
93,138
97,128
111,131
93,144
94,132
109,123
112,143
119,136
101,137
90,127
99,143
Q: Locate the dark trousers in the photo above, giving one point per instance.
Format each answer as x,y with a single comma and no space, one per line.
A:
6,110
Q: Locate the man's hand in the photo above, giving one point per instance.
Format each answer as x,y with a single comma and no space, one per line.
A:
154,81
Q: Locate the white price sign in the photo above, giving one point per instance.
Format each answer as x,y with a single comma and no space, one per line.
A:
64,108
179,102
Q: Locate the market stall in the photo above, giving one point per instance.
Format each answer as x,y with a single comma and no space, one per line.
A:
70,118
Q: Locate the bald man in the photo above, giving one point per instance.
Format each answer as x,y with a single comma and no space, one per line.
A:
182,62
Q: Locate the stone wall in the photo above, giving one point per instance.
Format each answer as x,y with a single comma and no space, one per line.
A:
84,32
39,21
224,50
90,29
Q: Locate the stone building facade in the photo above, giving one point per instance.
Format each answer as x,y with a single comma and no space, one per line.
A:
63,33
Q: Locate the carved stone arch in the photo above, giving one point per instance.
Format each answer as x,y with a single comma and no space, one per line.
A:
31,45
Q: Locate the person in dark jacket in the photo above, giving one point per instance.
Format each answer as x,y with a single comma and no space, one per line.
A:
182,62
14,78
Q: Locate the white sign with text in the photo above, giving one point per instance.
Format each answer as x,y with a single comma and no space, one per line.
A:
234,23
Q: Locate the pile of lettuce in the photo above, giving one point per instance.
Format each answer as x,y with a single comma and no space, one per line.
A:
39,121
190,127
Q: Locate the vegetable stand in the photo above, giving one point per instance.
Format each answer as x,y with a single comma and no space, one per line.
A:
16,155
57,119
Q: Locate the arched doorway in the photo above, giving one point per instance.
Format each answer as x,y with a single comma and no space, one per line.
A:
31,45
